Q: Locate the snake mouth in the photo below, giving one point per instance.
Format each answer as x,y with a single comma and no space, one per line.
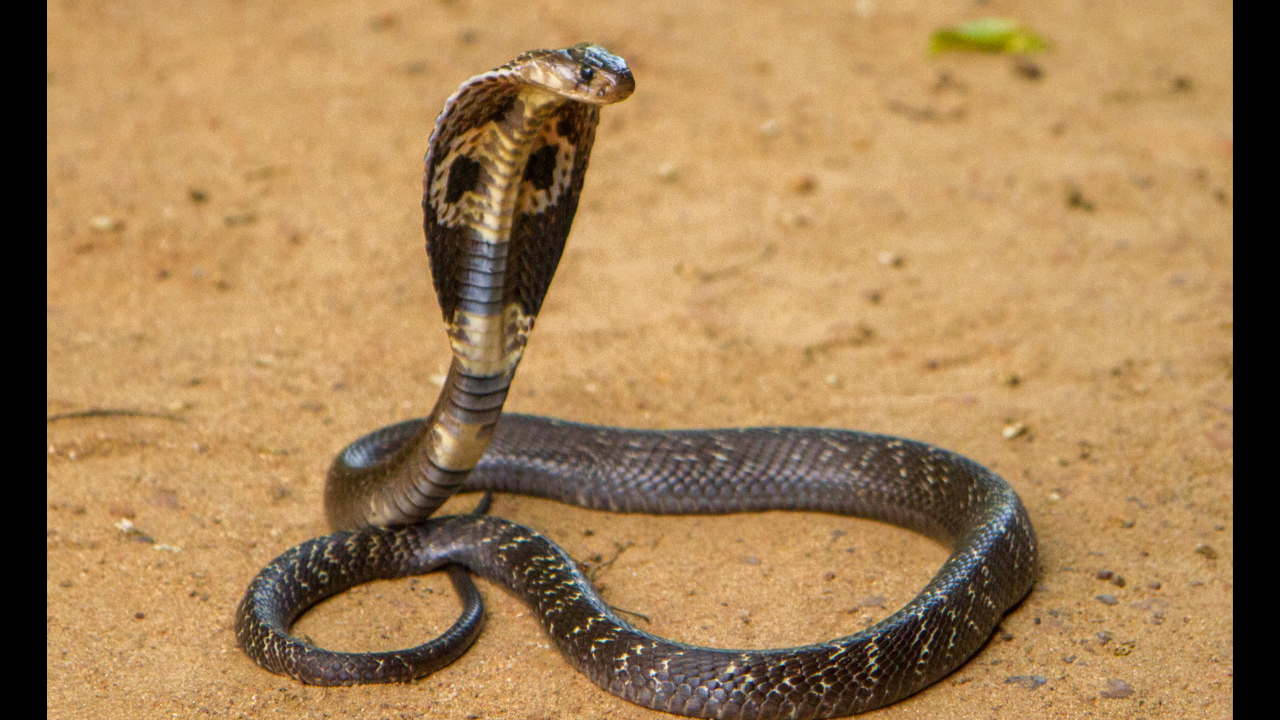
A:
618,88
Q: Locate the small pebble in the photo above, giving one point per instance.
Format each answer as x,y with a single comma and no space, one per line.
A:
803,184
1027,68
889,258
1030,682
1207,551
1116,689
1076,199
1107,599
106,223
1013,430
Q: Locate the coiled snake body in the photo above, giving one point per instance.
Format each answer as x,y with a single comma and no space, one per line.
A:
503,175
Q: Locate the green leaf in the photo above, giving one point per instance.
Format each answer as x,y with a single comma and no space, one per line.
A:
995,35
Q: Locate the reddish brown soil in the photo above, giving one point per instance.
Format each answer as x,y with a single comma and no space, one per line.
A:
800,218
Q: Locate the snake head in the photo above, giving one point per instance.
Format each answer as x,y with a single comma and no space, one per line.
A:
586,73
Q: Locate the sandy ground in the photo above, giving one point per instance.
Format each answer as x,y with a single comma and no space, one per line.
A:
800,218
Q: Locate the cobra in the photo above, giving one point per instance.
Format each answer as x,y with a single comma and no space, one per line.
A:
503,175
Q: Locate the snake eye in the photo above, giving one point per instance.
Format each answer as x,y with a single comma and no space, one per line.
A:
586,73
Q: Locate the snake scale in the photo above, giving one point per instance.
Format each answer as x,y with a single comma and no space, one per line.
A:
503,174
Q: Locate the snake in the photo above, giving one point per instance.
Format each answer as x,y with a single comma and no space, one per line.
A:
503,174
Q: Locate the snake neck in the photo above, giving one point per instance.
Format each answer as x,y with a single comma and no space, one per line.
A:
488,327
477,187
503,173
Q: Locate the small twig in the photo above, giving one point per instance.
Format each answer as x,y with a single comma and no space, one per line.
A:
593,568
629,612
111,412
618,549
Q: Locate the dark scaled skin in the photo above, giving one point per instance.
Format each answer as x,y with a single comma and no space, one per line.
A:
503,176
917,486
